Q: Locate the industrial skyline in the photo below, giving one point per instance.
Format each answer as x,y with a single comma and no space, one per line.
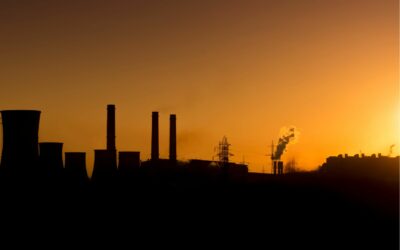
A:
23,148
274,165
360,192
269,120
242,69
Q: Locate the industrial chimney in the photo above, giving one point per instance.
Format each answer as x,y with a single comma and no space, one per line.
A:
280,167
172,137
154,137
20,140
111,127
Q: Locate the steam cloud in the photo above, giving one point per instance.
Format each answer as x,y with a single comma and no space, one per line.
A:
391,149
288,135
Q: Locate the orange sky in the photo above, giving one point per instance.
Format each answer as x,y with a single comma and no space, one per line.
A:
242,69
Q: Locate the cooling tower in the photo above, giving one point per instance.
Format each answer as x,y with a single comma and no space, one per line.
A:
128,161
172,137
111,127
50,157
20,140
75,168
105,165
154,137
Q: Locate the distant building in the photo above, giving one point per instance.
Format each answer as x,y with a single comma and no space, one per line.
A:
374,166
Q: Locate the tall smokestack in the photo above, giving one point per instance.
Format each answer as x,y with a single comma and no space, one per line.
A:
172,137
20,140
111,127
154,137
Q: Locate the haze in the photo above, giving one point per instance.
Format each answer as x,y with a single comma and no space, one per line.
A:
242,69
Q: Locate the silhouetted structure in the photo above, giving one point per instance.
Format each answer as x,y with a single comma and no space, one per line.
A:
51,158
277,167
214,168
280,167
105,166
128,161
172,137
75,168
357,194
154,137
223,152
20,140
111,127
370,167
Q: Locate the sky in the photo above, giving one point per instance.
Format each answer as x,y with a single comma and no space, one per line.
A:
240,69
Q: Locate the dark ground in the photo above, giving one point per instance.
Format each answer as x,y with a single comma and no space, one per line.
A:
175,209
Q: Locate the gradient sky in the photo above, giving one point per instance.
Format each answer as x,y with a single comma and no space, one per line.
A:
242,69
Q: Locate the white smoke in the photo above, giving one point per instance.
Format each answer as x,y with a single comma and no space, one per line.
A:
288,135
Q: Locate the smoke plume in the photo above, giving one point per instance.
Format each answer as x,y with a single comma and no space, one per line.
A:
391,149
288,135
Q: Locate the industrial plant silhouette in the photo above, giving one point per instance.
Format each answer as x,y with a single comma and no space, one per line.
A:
349,201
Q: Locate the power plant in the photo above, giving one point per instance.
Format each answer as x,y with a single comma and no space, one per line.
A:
23,154
123,186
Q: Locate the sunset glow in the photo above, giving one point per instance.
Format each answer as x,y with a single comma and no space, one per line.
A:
241,69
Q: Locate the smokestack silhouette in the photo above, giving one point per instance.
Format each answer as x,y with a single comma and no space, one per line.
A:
111,127
75,168
51,158
280,167
154,137
172,137
20,140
